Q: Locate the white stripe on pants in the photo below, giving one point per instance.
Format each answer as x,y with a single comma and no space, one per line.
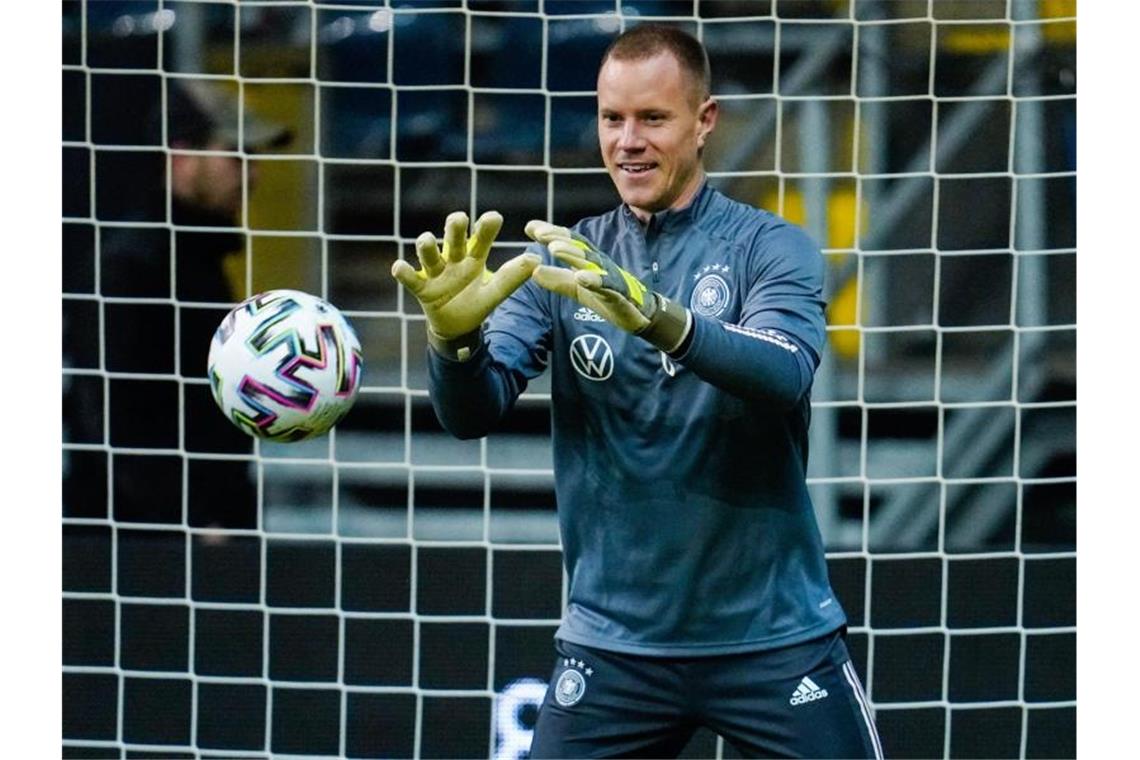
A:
861,698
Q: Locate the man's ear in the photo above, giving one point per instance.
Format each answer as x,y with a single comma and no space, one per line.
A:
706,120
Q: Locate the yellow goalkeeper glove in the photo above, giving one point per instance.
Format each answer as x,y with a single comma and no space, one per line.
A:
597,282
454,287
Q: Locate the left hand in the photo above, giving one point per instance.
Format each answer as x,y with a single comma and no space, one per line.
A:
594,279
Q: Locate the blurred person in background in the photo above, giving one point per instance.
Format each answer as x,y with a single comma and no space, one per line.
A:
682,331
206,184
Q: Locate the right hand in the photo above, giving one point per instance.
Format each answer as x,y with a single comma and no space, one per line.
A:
454,287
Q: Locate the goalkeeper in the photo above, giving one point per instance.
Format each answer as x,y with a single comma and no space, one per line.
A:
682,331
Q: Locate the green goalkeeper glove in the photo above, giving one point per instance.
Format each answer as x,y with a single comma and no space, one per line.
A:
597,282
455,289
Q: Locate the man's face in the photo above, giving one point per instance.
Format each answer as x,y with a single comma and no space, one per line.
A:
213,182
651,127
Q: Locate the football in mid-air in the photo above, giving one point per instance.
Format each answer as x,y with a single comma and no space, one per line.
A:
285,365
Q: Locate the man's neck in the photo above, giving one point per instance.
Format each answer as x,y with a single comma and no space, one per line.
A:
682,201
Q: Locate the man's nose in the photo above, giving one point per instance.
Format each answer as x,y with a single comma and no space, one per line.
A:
631,137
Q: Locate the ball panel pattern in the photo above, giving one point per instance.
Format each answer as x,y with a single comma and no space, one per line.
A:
285,365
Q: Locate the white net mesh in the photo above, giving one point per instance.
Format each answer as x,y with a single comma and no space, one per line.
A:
389,590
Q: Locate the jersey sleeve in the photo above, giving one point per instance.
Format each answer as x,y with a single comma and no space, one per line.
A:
471,397
771,353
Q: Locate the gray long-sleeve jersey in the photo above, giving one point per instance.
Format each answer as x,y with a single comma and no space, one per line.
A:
684,513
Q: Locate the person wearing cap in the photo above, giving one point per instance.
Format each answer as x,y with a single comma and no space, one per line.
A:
142,267
206,132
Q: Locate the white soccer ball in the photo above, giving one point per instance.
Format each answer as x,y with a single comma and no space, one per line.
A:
285,365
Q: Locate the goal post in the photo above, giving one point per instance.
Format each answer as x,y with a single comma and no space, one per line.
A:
389,590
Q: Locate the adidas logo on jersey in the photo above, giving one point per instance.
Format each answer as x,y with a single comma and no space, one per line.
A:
807,691
587,315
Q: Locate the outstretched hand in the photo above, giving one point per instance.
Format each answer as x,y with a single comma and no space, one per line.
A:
593,279
454,287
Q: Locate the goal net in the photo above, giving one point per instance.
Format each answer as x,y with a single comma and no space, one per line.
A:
390,591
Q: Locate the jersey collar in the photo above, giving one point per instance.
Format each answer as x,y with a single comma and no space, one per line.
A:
671,218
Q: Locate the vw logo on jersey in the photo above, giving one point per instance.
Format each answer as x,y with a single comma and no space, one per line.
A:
710,296
569,688
592,357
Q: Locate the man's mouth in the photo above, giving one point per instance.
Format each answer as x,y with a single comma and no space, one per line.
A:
636,168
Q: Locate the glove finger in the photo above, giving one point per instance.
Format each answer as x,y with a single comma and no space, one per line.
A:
568,254
557,280
609,301
590,280
544,232
407,276
455,237
510,276
483,234
427,251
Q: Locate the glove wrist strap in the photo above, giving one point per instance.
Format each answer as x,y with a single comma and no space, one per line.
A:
669,324
457,349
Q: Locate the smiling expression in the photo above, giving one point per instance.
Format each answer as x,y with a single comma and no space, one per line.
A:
653,121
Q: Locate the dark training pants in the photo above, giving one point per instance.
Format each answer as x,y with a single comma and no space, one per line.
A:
800,701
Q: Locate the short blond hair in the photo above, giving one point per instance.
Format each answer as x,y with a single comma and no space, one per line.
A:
648,40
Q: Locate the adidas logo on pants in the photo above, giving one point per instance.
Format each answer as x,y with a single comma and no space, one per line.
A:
807,691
